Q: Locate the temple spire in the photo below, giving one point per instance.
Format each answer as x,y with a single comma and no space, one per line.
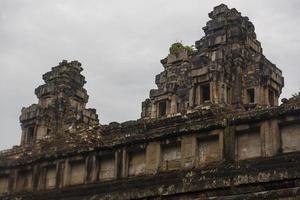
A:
61,106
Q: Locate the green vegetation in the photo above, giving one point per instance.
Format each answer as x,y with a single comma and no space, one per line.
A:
177,47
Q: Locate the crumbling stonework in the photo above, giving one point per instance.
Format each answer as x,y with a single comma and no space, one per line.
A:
212,130
61,106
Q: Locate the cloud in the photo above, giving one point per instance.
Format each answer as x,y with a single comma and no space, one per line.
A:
120,44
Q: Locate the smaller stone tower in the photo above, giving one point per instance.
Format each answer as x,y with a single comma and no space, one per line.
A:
61,106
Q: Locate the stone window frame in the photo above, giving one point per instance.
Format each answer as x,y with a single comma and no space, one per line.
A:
68,171
43,176
132,150
286,123
272,98
245,129
199,88
30,134
162,108
24,171
164,98
248,96
102,156
171,142
209,135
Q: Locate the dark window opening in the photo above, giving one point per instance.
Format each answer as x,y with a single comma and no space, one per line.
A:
162,108
271,98
251,95
48,131
30,135
205,93
228,95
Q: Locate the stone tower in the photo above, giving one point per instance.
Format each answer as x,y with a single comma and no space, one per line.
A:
61,106
227,68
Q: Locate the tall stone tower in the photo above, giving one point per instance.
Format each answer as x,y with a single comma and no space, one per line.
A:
227,68
61,106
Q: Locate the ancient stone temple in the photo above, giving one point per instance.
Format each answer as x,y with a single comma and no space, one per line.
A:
213,129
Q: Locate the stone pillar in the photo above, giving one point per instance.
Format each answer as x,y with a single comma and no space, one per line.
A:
60,176
197,95
237,89
229,143
270,135
23,136
263,96
192,97
95,168
36,172
188,151
214,97
153,110
221,143
168,107
66,174
124,163
266,96
42,178
153,157
256,95
91,168
173,109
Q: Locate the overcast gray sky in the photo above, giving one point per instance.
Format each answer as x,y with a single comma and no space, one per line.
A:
120,44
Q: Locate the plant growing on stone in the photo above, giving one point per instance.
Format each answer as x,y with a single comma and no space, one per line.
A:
177,47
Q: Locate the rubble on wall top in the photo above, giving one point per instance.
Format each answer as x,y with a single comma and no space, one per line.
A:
115,134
